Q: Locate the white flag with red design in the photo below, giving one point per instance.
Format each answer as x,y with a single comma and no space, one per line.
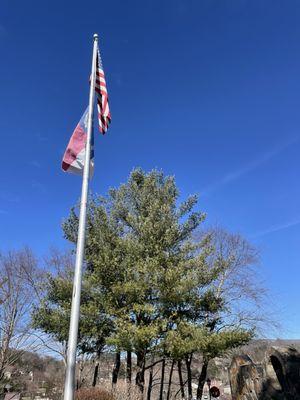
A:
74,157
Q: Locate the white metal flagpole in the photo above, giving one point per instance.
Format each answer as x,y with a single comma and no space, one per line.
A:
74,321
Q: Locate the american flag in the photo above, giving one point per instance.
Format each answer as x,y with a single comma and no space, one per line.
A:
102,97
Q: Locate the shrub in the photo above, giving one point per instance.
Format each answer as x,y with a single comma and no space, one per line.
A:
93,394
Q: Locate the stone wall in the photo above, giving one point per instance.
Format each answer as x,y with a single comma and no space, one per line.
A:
276,378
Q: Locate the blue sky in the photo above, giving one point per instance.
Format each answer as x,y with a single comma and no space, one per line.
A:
206,90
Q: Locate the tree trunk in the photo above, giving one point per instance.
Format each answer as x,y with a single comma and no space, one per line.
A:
128,367
7,335
140,373
170,380
202,378
116,368
162,378
150,384
188,362
96,373
96,369
180,379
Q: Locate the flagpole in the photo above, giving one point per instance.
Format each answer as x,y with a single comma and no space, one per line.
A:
74,320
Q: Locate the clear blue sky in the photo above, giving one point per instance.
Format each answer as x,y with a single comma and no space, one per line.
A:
206,90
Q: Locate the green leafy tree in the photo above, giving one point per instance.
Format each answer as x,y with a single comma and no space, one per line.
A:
149,286
141,253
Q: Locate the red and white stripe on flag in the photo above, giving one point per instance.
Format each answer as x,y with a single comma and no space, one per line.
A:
104,117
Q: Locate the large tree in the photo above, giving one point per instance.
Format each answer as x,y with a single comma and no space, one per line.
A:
148,278
140,252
